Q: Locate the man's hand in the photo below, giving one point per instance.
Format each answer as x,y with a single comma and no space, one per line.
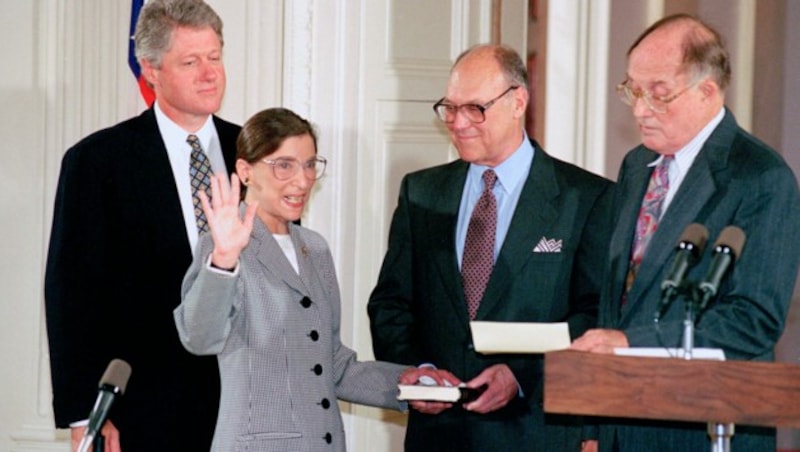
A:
589,445
600,341
110,436
501,388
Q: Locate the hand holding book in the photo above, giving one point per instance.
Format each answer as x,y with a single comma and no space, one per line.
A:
435,393
428,377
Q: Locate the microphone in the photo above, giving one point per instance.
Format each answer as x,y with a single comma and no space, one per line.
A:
689,249
726,250
113,382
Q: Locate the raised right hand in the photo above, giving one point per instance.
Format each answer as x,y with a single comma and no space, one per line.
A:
229,232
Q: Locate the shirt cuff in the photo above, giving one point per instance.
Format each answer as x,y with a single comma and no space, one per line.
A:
221,271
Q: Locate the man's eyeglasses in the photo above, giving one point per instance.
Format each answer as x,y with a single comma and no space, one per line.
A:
657,104
473,112
285,168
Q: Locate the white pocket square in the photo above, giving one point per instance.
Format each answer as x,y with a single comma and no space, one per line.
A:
546,245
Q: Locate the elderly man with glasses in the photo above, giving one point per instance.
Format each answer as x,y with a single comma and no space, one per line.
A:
506,233
695,165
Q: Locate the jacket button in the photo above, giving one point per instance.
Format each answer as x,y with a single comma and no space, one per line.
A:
305,302
325,403
328,438
314,335
317,369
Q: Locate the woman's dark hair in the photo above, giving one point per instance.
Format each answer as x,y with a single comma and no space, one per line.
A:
266,130
264,133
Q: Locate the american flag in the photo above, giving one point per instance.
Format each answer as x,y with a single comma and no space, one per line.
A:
147,93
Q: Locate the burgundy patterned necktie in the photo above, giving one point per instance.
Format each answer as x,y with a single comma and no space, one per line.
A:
649,214
200,177
478,259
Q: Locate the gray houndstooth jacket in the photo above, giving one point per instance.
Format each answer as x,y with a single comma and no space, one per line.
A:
276,337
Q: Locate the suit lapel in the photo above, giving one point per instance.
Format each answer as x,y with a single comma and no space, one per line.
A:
634,181
442,229
308,277
227,134
275,262
535,212
155,183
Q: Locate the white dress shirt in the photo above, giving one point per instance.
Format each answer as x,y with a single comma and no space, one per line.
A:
179,153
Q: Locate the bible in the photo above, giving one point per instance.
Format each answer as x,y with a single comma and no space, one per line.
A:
430,393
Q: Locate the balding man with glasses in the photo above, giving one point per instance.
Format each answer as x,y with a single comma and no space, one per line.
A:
717,175
506,233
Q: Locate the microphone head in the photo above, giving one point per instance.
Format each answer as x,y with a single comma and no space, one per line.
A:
694,239
733,238
116,375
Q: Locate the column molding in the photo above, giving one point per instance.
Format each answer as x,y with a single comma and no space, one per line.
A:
577,81
79,93
744,63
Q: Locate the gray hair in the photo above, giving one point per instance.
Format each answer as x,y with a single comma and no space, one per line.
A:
704,53
510,62
158,19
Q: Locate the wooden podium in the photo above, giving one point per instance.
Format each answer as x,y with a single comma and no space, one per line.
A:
736,392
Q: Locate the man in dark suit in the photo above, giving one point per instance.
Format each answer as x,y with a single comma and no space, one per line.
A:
123,232
719,175
544,265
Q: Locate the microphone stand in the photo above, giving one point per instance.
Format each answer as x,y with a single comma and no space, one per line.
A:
688,329
719,433
98,443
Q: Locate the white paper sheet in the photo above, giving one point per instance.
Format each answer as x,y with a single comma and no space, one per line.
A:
660,352
519,337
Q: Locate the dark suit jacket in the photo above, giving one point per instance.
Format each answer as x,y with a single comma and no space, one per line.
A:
734,180
418,311
118,253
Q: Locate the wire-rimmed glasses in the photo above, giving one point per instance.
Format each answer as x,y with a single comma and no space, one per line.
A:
657,104
285,168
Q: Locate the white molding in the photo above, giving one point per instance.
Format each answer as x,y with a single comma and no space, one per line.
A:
53,43
481,20
471,24
321,74
654,10
39,438
298,54
563,89
263,49
597,87
745,62
84,84
577,86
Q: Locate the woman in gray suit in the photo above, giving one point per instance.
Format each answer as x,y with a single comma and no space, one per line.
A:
262,295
